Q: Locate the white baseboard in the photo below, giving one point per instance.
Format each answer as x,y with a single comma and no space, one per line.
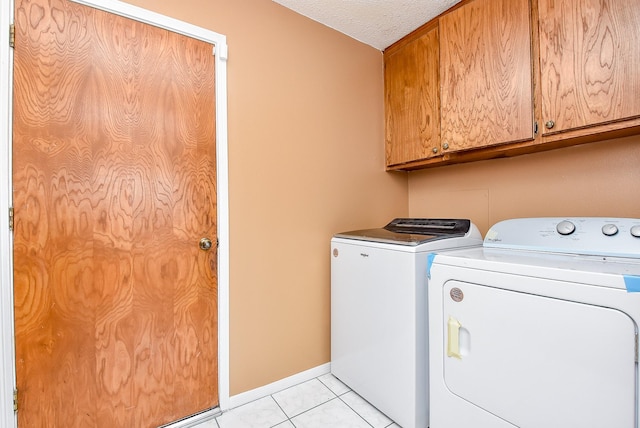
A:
279,385
254,394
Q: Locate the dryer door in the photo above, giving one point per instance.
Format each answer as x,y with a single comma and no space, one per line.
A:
537,361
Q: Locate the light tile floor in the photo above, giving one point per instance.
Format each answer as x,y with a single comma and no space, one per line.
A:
323,402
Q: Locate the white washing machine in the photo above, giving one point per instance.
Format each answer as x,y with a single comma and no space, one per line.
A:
378,311
538,328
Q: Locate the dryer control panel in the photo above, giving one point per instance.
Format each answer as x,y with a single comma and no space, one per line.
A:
599,236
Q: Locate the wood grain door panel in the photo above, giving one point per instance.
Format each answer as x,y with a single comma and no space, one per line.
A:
114,185
486,74
412,101
590,62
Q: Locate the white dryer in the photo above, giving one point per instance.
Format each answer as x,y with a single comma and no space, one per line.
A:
538,328
378,311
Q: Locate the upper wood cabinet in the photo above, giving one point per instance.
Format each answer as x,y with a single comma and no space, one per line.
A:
476,82
486,74
589,62
412,100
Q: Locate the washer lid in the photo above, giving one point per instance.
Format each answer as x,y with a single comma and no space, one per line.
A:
412,231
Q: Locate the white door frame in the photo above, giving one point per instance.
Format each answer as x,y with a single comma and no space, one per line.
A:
7,344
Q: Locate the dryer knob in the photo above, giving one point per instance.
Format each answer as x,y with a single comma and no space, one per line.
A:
609,229
635,231
565,227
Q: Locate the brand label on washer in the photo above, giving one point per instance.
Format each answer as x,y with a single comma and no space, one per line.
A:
335,252
456,294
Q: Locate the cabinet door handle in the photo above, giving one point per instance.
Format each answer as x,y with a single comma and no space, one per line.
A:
550,124
445,146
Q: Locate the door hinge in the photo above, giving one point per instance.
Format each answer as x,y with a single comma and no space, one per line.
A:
12,35
11,219
535,128
15,400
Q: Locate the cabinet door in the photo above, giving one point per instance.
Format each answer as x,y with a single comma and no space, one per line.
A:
589,61
412,101
486,72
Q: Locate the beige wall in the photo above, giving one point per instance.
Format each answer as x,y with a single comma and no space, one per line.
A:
305,161
598,179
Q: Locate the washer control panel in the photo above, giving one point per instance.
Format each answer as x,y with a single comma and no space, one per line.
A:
602,236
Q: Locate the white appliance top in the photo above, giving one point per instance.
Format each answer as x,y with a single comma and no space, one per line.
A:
599,236
415,231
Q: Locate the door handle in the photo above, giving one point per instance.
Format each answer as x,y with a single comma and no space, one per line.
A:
453,338
459,339
205,244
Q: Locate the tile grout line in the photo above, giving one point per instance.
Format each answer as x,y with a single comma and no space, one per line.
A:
280,407
335,396
354,410
298,414
283,412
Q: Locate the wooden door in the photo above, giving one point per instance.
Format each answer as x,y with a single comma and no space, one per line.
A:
114,186
589,62
412,100
486,74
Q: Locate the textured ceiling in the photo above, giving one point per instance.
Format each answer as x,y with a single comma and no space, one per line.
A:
378,23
